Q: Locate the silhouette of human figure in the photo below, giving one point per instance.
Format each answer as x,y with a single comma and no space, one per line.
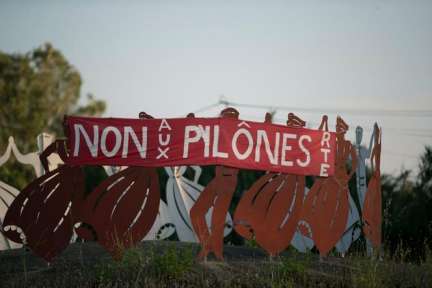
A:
7,195
326,207
44,140
44,213
372,205
362,155
218,193
181,194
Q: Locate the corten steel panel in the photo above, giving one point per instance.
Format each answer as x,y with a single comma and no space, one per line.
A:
218,193
326,207
45,212
272,206
372,206
121,210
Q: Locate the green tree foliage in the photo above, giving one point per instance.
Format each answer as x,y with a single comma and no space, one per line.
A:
408,211
36,90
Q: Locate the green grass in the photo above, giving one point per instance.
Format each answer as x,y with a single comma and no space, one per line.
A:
287,272
174,264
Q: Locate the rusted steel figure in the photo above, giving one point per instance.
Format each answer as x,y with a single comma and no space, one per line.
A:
44,213
272,206
326,207
372,206
217,194
181,194
121,210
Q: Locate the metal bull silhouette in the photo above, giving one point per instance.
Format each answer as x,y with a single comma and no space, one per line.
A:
121,210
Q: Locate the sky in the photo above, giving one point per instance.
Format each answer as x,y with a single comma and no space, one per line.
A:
368,61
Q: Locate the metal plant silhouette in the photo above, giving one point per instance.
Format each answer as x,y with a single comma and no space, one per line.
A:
163,227
271,208
43,214
121,210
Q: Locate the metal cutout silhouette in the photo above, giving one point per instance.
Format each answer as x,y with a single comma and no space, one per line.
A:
44,213
372,206
121,210
126,208
352,229
7,196
217,193
44,140
243,217
326,207
362,155
300,241
163,226
271,207
181,194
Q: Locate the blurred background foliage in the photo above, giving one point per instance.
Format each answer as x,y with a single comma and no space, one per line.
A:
38,88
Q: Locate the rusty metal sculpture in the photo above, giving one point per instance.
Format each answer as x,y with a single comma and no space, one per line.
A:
243,217
181,194
163,226
126,207
217,193
326,207
121,210
44,213
372,206
300,241
272,206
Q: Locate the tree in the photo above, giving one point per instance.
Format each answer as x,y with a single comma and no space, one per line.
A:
408,211
36,90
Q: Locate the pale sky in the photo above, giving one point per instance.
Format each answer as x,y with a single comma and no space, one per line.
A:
168,58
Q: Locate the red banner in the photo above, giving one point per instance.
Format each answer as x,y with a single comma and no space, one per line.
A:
201,141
